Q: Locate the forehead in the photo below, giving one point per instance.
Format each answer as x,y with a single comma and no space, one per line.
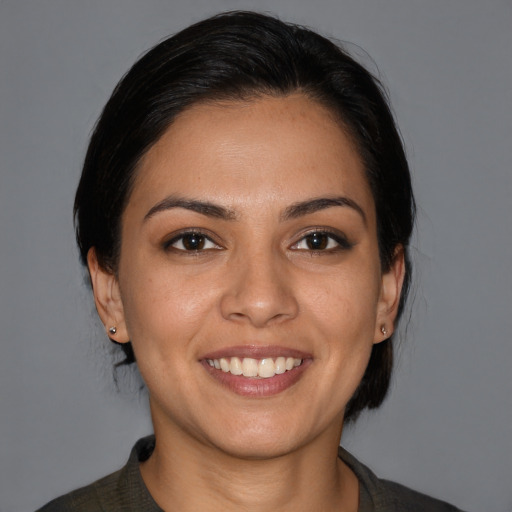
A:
286,148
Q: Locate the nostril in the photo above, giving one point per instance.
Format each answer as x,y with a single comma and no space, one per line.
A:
259,314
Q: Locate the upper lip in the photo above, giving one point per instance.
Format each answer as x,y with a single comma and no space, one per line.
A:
257,352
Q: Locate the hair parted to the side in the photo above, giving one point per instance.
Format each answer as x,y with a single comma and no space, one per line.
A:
240,56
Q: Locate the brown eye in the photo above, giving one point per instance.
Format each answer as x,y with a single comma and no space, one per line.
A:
322,241
317,241
191,242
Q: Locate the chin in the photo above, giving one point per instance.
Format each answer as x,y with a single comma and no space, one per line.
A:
258,448
258,440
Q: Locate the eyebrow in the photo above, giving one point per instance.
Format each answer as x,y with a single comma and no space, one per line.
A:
294,211
314,205
202,207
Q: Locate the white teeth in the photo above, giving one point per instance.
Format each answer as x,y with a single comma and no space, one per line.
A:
249,367
236,366
224,365
280,365
266,368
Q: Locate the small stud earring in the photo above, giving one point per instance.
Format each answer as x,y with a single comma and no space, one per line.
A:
112,330
383,330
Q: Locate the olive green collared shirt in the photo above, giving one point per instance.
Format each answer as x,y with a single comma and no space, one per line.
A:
125,491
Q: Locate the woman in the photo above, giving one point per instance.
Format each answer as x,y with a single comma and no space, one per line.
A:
244,211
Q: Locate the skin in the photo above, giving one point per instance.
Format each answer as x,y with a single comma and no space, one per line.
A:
255,282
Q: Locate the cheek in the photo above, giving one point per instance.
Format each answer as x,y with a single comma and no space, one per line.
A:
341,318
164,309
343,313
346,299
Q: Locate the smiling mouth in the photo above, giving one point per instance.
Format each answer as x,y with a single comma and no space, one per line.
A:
264,368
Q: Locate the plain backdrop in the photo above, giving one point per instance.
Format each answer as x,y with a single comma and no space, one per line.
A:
446,427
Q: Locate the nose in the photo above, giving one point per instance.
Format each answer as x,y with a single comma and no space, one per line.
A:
259,291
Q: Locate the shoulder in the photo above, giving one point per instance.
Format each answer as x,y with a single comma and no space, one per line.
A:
123,490
378,495
89,498
395,497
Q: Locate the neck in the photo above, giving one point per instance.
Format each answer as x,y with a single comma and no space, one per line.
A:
188,475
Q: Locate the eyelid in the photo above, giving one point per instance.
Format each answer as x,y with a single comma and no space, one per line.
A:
339,237
171,239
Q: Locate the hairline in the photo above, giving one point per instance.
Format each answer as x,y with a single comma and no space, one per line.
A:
227,99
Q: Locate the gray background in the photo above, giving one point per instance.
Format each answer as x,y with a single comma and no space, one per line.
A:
446,428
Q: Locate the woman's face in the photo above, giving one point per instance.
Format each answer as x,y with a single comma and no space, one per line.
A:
249,243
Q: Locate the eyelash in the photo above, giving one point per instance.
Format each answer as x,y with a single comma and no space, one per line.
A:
181,237
339,240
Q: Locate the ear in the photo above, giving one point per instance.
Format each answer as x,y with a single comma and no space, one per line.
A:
389,300
107,298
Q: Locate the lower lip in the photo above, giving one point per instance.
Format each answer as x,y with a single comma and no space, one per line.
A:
253,387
